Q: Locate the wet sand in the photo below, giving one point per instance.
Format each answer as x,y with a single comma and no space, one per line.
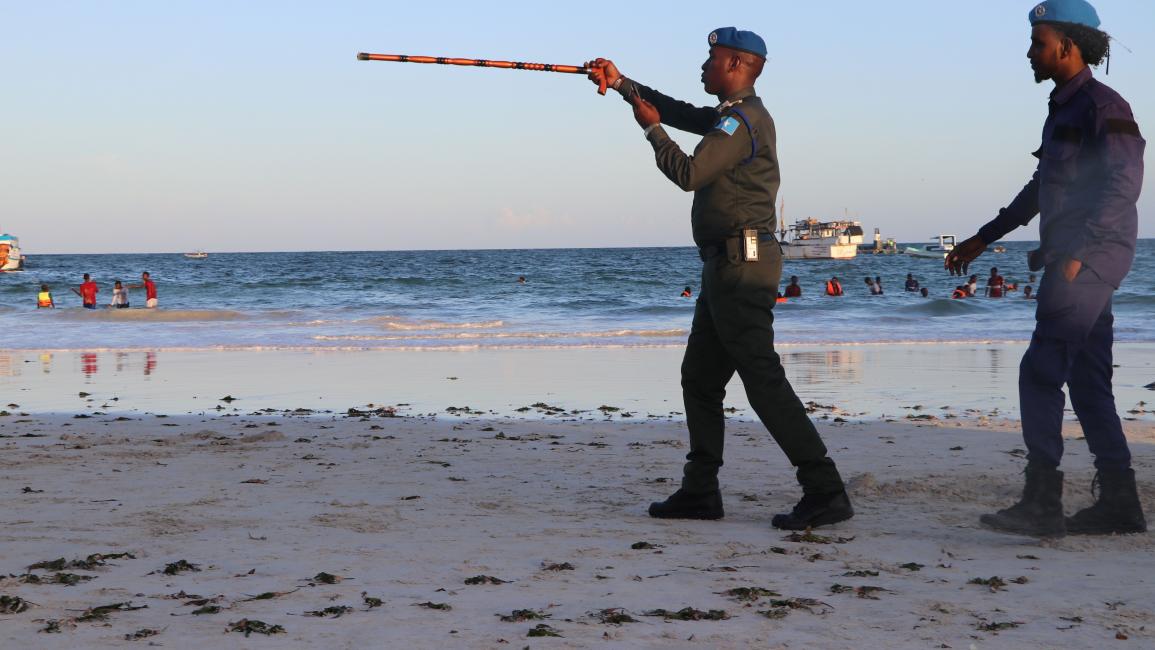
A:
865,381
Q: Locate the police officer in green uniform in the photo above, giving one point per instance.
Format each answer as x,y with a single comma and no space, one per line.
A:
734,176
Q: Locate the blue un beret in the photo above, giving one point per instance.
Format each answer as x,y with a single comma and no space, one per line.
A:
1078,12
736,39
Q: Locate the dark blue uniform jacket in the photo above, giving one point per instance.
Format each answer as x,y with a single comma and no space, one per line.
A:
1087,183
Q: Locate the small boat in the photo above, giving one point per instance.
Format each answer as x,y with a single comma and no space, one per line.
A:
811,239
933,251
196,255
11,259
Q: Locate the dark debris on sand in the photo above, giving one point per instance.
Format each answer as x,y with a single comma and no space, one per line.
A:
690,614
252,626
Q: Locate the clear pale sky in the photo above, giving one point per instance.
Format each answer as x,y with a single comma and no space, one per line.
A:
144,126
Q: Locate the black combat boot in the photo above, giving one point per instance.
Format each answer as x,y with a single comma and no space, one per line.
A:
816,510
1117,509
1040,512
683,505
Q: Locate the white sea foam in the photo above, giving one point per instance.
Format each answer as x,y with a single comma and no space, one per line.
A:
394,323
150,315
504,335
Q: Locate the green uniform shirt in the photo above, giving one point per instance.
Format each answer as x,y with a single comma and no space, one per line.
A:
733,172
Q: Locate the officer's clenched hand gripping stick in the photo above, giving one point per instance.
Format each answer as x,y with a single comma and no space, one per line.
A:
480,63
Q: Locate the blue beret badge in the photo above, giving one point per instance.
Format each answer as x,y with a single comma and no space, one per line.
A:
727,124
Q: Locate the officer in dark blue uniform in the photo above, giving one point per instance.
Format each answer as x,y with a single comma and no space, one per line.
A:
1085,190
734,176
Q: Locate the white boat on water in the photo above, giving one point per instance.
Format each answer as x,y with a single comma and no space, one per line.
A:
811,239
11,259
196,255
933,251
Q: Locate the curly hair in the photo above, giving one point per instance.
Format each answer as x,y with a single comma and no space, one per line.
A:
1092,43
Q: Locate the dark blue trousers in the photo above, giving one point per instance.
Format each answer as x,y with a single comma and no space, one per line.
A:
1071,345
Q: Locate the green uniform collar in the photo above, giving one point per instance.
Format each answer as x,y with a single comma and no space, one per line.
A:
736,98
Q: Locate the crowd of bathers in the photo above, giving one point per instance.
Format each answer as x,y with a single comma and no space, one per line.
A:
88,289
996,287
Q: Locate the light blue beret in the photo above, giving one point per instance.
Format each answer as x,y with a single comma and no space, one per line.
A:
1078,12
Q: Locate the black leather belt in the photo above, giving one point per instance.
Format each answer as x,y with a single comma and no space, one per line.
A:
710,251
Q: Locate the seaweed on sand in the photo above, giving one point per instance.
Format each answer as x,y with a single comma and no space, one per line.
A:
485,580
336,611
269,595
252,626
87,564
178,567
13,605
101,613
689,614
327,578
613,616
748,594
865,591
809,537
522,615
543,630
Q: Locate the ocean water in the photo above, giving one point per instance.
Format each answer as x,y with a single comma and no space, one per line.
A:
471,299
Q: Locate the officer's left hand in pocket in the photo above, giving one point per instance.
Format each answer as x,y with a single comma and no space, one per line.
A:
1071,268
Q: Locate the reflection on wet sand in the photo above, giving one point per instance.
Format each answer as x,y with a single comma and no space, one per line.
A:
860,381
824,367
89,363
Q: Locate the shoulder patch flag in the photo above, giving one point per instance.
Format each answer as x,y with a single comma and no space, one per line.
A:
728,124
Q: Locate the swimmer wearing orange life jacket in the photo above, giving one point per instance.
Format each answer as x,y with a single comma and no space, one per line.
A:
44,298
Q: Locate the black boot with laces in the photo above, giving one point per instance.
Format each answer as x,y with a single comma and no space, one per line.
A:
1040,511
1116,510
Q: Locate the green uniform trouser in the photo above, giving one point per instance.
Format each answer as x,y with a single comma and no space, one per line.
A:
733,331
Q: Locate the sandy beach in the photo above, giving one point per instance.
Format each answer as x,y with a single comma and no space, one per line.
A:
371,528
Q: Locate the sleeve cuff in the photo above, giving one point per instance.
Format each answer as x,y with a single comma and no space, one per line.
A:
989,234
625,87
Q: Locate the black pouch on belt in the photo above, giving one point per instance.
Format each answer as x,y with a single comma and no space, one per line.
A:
734,250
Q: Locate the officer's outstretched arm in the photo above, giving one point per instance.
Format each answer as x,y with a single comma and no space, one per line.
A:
678,114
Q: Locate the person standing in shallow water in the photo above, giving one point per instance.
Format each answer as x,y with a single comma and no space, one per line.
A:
87,292
793,290
149,287
1085,190
734,176
833,287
